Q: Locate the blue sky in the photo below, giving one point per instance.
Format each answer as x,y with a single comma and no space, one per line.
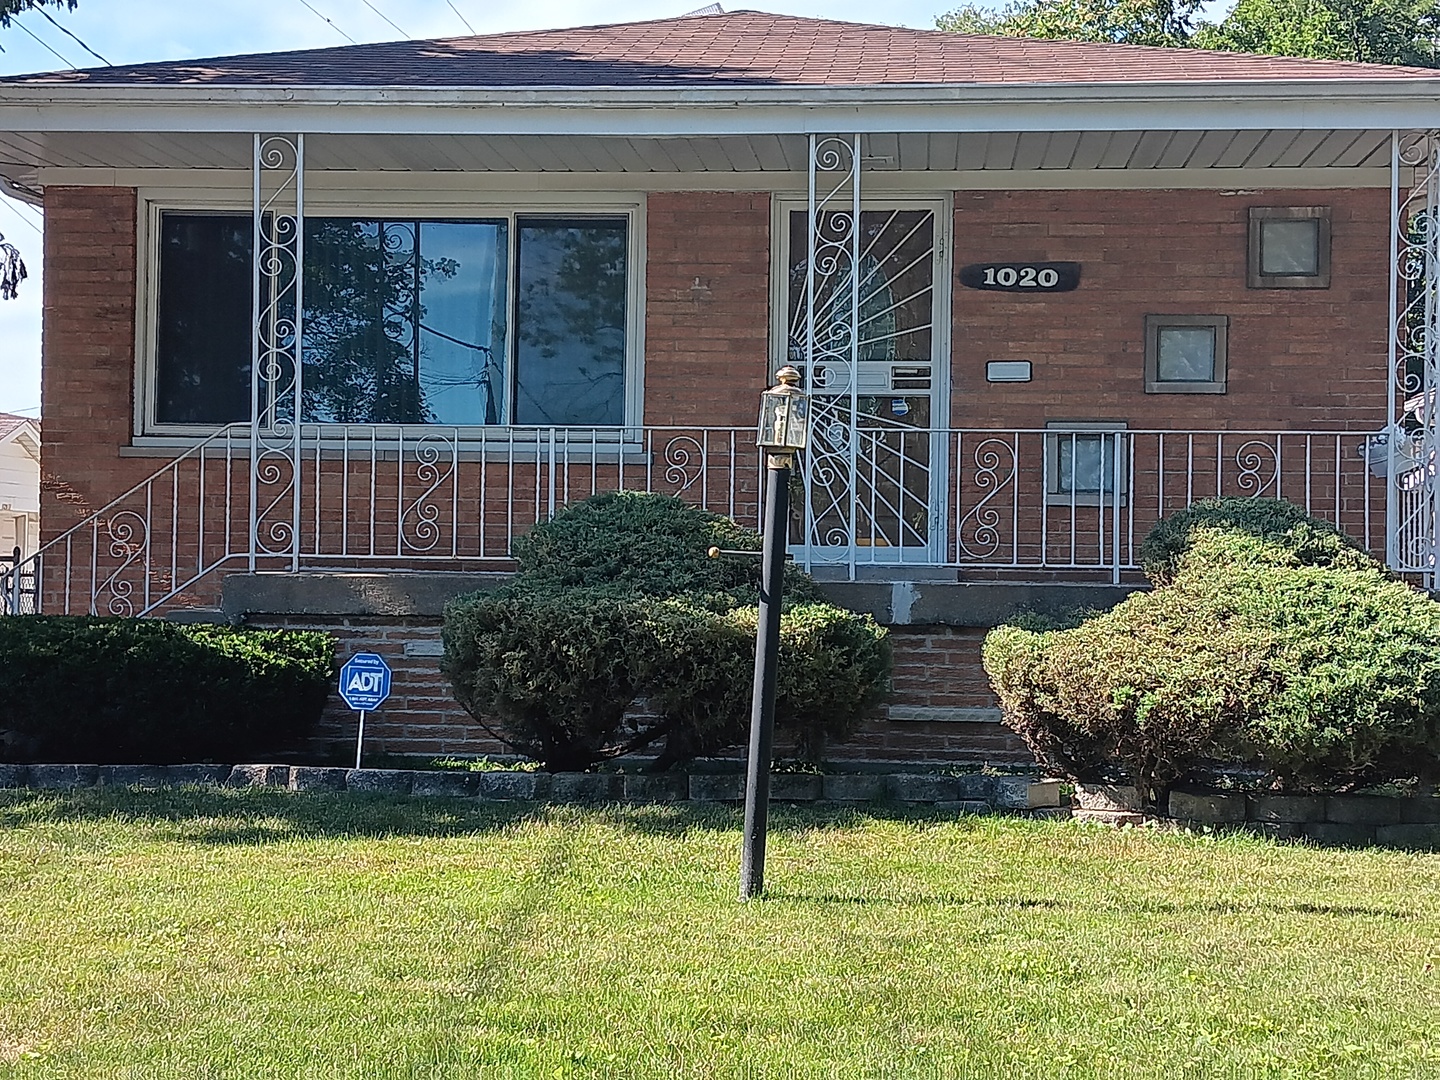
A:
136,31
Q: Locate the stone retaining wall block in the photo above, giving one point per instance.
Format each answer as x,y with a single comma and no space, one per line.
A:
1275,830
853,787
1208,807
1414,834
1364,810
1108,798
507,786
449,783
1108,817
973,786
1422,810
1340,834
1287,808
379,781
14,776
656,787
312,778
149,777
63,777
260,776
924,788
1023,793
717,787
966,807
196,775
586,787
796,787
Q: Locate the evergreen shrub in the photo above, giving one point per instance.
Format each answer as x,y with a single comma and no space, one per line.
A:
106,690
616,600
1264,646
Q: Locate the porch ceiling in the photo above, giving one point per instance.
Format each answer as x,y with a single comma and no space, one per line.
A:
24,154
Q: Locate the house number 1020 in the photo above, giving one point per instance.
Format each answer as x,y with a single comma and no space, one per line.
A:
1022,277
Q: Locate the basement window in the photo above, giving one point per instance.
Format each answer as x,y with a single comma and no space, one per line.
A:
1289,247
1081,462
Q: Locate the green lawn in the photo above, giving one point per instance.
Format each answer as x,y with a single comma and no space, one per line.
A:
253,933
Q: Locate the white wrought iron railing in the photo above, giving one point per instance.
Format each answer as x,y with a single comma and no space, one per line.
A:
986,503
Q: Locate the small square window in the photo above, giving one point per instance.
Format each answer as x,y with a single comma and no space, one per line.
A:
1080,463
1289,247
1185,354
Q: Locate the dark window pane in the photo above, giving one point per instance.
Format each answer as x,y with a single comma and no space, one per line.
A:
570,315
404,321
203,337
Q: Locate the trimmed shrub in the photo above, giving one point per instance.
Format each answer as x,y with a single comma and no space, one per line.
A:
1327,675
617,600
144,690
1281,534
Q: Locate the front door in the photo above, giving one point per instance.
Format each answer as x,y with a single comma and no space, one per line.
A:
862,326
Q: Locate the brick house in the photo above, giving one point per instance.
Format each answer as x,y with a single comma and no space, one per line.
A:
1042,293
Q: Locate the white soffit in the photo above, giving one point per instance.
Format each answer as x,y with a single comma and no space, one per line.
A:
24,154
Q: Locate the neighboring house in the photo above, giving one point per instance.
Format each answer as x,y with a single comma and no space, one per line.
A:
19,486
1042,292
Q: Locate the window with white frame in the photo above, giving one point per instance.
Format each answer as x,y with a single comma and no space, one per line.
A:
1085,461
513,319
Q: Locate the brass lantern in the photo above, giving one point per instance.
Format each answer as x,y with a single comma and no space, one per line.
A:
784,414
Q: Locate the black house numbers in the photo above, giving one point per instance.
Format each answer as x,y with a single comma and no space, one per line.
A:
1043,277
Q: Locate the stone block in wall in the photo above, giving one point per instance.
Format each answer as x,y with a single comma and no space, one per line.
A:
1422,810
924,788
1339,834
132,776
14,776
717,787
444,783
796,787
1287,808
966,807
1275,830
506,786
1208,807
586,787
981,786
1108,798
313,778
1023,793
260,776
63,777
379,781
1413,834
1108,817
1364,810
196,775
853,787
656,787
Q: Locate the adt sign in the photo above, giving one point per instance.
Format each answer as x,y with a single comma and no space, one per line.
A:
364,681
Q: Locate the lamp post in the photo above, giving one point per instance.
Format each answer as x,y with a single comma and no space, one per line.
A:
784,424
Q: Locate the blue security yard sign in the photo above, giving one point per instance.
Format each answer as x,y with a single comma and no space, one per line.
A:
365,681
364,684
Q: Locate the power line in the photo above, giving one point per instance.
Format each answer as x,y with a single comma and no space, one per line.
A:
337,29
461,17
68,34
62,59
382,15
22,217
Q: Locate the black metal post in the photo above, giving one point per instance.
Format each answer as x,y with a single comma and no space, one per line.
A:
767,655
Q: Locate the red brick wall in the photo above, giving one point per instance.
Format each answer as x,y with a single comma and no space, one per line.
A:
707,283
1298,358
86,382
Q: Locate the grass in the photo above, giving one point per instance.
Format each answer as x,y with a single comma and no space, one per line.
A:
254,933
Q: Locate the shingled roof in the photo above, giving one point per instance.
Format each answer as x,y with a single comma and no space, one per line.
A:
742,48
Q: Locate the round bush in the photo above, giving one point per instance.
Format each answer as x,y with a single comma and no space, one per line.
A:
154,692
1269,531
616,600
1326,676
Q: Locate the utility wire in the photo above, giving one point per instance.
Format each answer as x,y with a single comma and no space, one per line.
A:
23,218
337,29
43,44
68,34
461,17
382,15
